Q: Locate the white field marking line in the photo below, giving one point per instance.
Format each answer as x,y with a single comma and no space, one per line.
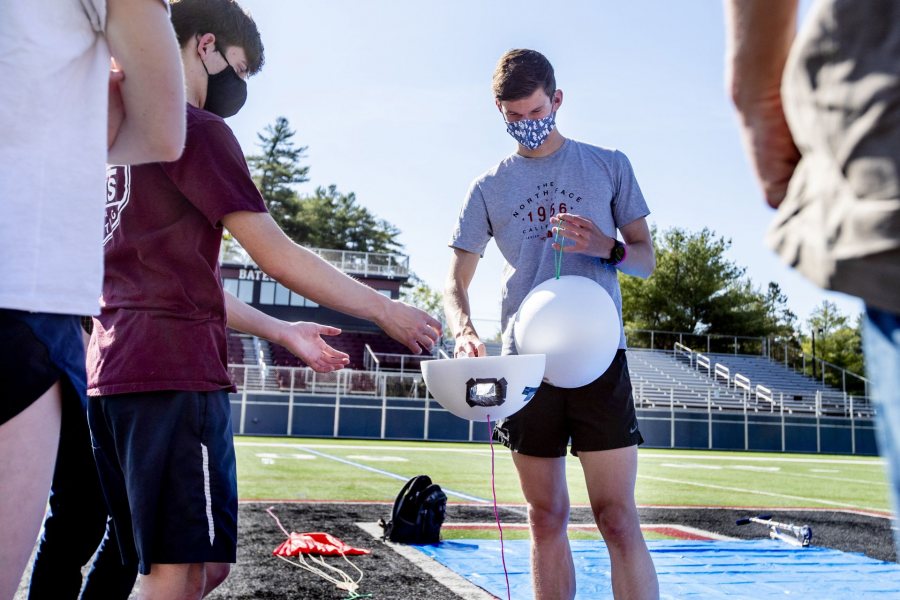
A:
451,580
761,510
757,492
824,470
402,478
370,458
822,461
273,456
777,471
826,478
756,469
376,445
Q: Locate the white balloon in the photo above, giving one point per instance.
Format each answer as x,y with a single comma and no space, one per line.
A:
484,387
575,323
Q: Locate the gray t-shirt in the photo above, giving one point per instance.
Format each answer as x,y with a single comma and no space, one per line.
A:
513,203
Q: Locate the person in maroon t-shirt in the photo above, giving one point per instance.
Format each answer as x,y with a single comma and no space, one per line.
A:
157,380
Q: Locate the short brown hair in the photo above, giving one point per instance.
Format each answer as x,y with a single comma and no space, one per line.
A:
520,72
225,19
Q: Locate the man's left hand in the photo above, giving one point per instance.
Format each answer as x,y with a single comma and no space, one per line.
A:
582,234
304,340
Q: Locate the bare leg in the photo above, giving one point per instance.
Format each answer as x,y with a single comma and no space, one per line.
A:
28,444
182,582
610,477
543,482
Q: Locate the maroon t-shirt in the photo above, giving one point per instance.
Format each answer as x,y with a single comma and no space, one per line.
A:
162,320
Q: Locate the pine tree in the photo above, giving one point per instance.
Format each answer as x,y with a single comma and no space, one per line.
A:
326,219
697,289
277,170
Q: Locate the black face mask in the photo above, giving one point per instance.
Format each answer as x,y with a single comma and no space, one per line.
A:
226,92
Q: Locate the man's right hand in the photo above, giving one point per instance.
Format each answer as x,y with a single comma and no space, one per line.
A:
770,145
469,345
411,326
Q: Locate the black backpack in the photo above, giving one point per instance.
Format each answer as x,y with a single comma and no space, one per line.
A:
418,513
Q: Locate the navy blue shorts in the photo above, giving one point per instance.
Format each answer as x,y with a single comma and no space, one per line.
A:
598,416
36,351
167,468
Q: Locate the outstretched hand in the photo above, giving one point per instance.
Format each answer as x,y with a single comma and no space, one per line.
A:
412,327
304,340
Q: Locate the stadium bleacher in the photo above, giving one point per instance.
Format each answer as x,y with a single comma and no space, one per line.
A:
799,391
661,381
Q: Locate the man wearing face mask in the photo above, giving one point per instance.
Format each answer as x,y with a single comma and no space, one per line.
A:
552,185
157,380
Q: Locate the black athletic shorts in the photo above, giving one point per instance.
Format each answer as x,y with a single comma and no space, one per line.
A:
36,351
167,468
598,416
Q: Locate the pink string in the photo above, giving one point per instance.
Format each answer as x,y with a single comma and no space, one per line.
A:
496,513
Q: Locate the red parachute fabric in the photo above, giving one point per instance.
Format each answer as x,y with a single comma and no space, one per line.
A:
318,543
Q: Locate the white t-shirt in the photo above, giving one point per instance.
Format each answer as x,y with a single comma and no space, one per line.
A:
54,65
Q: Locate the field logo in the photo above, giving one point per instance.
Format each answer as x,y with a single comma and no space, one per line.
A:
118,191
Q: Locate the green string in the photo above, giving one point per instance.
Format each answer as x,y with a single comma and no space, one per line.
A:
558,258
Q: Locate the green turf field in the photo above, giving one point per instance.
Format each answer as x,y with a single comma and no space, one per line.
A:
279,468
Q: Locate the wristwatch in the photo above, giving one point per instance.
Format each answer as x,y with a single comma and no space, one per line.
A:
616,255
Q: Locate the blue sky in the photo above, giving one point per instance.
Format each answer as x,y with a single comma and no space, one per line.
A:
394,101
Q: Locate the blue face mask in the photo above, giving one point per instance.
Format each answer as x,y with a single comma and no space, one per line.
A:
531,133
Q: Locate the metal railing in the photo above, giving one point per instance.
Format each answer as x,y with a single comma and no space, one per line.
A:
366,263
394,362
828,374
652,339
844,404
357,263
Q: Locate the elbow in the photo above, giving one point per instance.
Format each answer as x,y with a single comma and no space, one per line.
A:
166,152
644,270
651,266
275,269
168,141
169,150
736,90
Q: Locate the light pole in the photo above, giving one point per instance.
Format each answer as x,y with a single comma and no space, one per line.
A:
814,349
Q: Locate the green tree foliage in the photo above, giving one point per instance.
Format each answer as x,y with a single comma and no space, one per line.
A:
331,219
696,289
277,169
781,322
327,218
838,341
417,292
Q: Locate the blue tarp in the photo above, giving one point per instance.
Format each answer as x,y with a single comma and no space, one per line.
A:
688,569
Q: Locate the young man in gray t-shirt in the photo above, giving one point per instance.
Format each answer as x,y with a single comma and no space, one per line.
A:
585,194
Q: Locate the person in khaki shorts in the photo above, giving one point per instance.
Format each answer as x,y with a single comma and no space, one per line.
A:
820,115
